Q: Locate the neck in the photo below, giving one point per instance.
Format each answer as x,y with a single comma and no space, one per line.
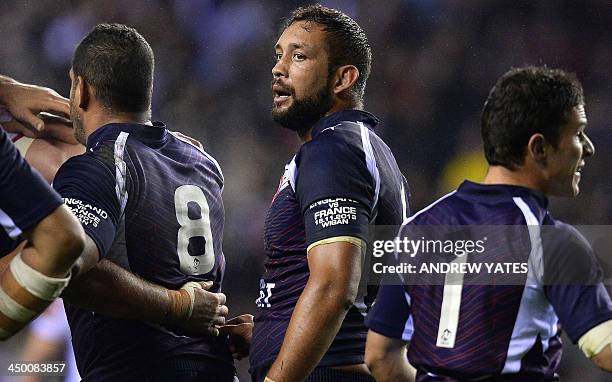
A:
519,177
306,135
97,120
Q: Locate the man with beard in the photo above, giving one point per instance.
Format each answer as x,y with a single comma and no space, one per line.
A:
150,203
311,307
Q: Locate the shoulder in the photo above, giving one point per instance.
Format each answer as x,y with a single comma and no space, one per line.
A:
561,235
333,146
198,149
92,166
568,256
440,211
214,164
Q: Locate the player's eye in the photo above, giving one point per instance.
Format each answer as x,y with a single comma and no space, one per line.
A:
299,57
278,56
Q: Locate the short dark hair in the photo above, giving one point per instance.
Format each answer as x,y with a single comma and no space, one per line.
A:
523,102
346,42
118,62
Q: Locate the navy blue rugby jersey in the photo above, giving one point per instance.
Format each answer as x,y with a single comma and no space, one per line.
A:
152,203
339,183
25,197
500,332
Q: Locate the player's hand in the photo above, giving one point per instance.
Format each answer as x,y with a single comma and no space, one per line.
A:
56,127
209,309
59,128
196,311
240,330
25,101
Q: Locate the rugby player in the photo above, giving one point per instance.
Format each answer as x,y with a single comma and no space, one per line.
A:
309,322
533,128
47,149
29,209
150,204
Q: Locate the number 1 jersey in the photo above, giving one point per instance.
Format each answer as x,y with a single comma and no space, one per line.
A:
151,202
491,330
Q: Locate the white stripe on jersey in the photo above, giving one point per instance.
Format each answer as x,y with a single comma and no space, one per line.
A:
121,170
291,173
370,161
9,225
536,315
409,326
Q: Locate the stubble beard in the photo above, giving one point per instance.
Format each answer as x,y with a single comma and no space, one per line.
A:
77,124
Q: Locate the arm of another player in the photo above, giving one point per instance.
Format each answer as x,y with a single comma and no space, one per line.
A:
57,128
240,330
390,330
25,101
387,360
335,271
39,273
107,288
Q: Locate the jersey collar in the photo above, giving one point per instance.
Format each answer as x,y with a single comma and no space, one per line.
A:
368,119
155,132
501,192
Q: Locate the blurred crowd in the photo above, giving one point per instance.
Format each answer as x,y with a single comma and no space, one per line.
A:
433,64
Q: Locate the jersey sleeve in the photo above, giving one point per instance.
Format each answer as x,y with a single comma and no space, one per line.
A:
390,314
335,191
88,186
573,281
25,197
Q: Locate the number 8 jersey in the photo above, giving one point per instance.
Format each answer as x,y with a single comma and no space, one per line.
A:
152,203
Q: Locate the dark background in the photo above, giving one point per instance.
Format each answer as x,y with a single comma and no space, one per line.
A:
434,62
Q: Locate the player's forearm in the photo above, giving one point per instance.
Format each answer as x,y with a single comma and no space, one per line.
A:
111,290
392,367
56,242
314,324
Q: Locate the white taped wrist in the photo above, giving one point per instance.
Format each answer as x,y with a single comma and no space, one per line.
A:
14,310
189,288
42,286
596,339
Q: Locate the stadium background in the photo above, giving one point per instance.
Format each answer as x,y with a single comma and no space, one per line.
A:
433,64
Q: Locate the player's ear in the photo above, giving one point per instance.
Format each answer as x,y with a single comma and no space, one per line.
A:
345,77
537,148
83,93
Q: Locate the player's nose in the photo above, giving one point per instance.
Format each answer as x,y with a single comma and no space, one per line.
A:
279,69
